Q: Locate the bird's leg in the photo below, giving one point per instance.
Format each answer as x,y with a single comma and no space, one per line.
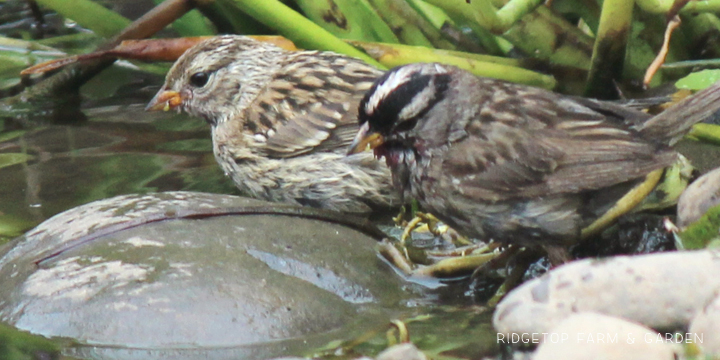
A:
522,259
434,226
394,256
557,254
455,266
500,261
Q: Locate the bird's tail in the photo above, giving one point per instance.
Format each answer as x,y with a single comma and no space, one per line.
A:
670,125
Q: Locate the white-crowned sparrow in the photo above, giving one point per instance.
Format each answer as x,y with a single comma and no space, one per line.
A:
509,162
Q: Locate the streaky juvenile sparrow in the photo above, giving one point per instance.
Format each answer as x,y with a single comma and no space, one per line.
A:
281,121
508,162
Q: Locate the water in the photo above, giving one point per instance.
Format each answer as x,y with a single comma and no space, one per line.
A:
107,147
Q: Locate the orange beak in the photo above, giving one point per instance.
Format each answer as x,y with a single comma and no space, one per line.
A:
365,139
165,100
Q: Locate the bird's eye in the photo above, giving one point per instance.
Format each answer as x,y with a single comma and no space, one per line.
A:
199,79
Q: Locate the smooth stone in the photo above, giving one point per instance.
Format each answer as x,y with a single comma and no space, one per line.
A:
698,198
661,291
591,336
125,273
704,330
405,351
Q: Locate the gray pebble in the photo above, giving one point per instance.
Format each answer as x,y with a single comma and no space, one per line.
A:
591,336
405,351
700,196
662,291
706,328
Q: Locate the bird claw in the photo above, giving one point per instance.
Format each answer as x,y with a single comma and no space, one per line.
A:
428,222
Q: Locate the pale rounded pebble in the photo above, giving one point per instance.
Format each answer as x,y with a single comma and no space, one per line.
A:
705,328
700,196
405,351
662,291
591,336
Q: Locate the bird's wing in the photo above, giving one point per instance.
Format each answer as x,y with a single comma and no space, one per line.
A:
564,147
311,104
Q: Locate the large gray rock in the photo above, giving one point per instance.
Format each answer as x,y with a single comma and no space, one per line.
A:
152,272
662,291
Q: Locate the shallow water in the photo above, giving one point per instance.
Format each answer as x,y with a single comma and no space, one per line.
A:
110,147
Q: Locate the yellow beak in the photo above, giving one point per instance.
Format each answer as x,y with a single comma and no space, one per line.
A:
165,100
365,139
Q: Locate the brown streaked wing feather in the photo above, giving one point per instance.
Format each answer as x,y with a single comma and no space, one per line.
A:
615,112
498,162
314,101
494,168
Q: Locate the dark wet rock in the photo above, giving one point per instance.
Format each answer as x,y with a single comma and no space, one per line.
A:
483,288
633,234
662,291
188,271
509,272
698,198
538,268
590,336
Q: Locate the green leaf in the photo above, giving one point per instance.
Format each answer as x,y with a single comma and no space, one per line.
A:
9,159
699,80
5,136
706,132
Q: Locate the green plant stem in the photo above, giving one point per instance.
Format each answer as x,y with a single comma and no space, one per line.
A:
89,14
480,12
689,64
297,28
485,14
228,19
402,26
392,55
514,10
700,28
706,132
380,27
348,19
190,24
544,35
664,6
701,6
608,55
436,16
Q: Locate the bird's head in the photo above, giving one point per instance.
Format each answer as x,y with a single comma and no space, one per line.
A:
217,78
396,104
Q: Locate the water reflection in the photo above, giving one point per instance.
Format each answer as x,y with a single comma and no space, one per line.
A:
116,149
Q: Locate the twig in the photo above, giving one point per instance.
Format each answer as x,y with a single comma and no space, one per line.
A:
662,54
